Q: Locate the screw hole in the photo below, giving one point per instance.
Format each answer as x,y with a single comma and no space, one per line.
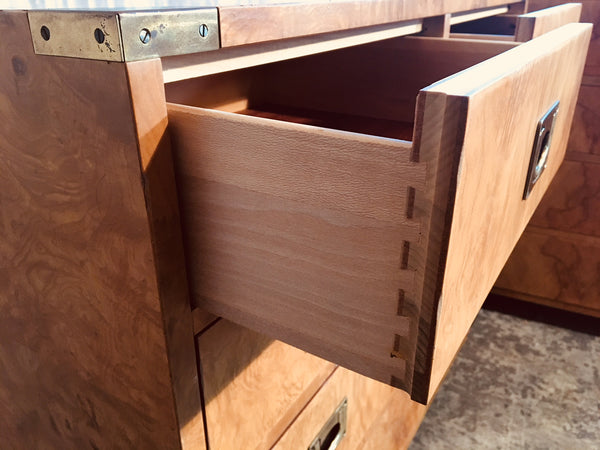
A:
145,35
203,30
45,32
99,35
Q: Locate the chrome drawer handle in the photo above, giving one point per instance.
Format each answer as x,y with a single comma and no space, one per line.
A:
541,148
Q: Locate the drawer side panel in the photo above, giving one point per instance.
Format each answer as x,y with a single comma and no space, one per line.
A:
299,232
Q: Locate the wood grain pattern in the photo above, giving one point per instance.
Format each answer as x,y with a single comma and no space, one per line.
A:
367,400
567,220
572,203
254,387
534,24
476,14
262,221
555,267
258,265
590,13
293,248
83,357
585,133
395,426
150,113
553,64
238,24
183,67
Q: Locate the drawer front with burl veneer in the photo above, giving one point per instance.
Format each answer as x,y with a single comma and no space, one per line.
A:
353,205
354,412
253,386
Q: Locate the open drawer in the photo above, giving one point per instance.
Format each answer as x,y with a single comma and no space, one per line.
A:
354,206
518,28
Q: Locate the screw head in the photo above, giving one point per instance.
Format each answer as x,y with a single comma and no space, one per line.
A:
203,30
145,35
45,32
99,35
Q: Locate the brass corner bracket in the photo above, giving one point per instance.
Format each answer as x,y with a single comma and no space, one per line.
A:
124,35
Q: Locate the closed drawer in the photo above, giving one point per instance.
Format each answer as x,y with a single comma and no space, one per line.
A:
374,416
253,386
354,206
519,28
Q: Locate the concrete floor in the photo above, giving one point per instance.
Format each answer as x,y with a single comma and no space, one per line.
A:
520,384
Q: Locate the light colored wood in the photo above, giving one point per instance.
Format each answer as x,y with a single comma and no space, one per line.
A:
150,113
83,355
395,426
177,68
438,26
276,216
491,141
534,24
294,248
254,387
401,67
241,25
368,400
468,16
487,37
590,13
555,267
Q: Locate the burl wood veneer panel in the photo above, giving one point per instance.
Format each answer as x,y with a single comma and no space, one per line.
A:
241,25
378,416
555,268
572,203
254,387
585,133
83,353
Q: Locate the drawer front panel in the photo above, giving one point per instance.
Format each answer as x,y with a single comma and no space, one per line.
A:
536,23
370,404
505,96
253,386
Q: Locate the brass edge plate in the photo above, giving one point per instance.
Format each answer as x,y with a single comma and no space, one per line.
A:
124,36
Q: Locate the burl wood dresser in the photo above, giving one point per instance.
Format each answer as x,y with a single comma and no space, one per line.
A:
261,224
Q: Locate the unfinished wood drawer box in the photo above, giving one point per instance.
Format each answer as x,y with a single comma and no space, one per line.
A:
353,205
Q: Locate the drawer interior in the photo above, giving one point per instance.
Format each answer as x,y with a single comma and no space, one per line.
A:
369,89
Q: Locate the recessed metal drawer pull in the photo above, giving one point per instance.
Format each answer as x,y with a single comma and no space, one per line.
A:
333,431
541,148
